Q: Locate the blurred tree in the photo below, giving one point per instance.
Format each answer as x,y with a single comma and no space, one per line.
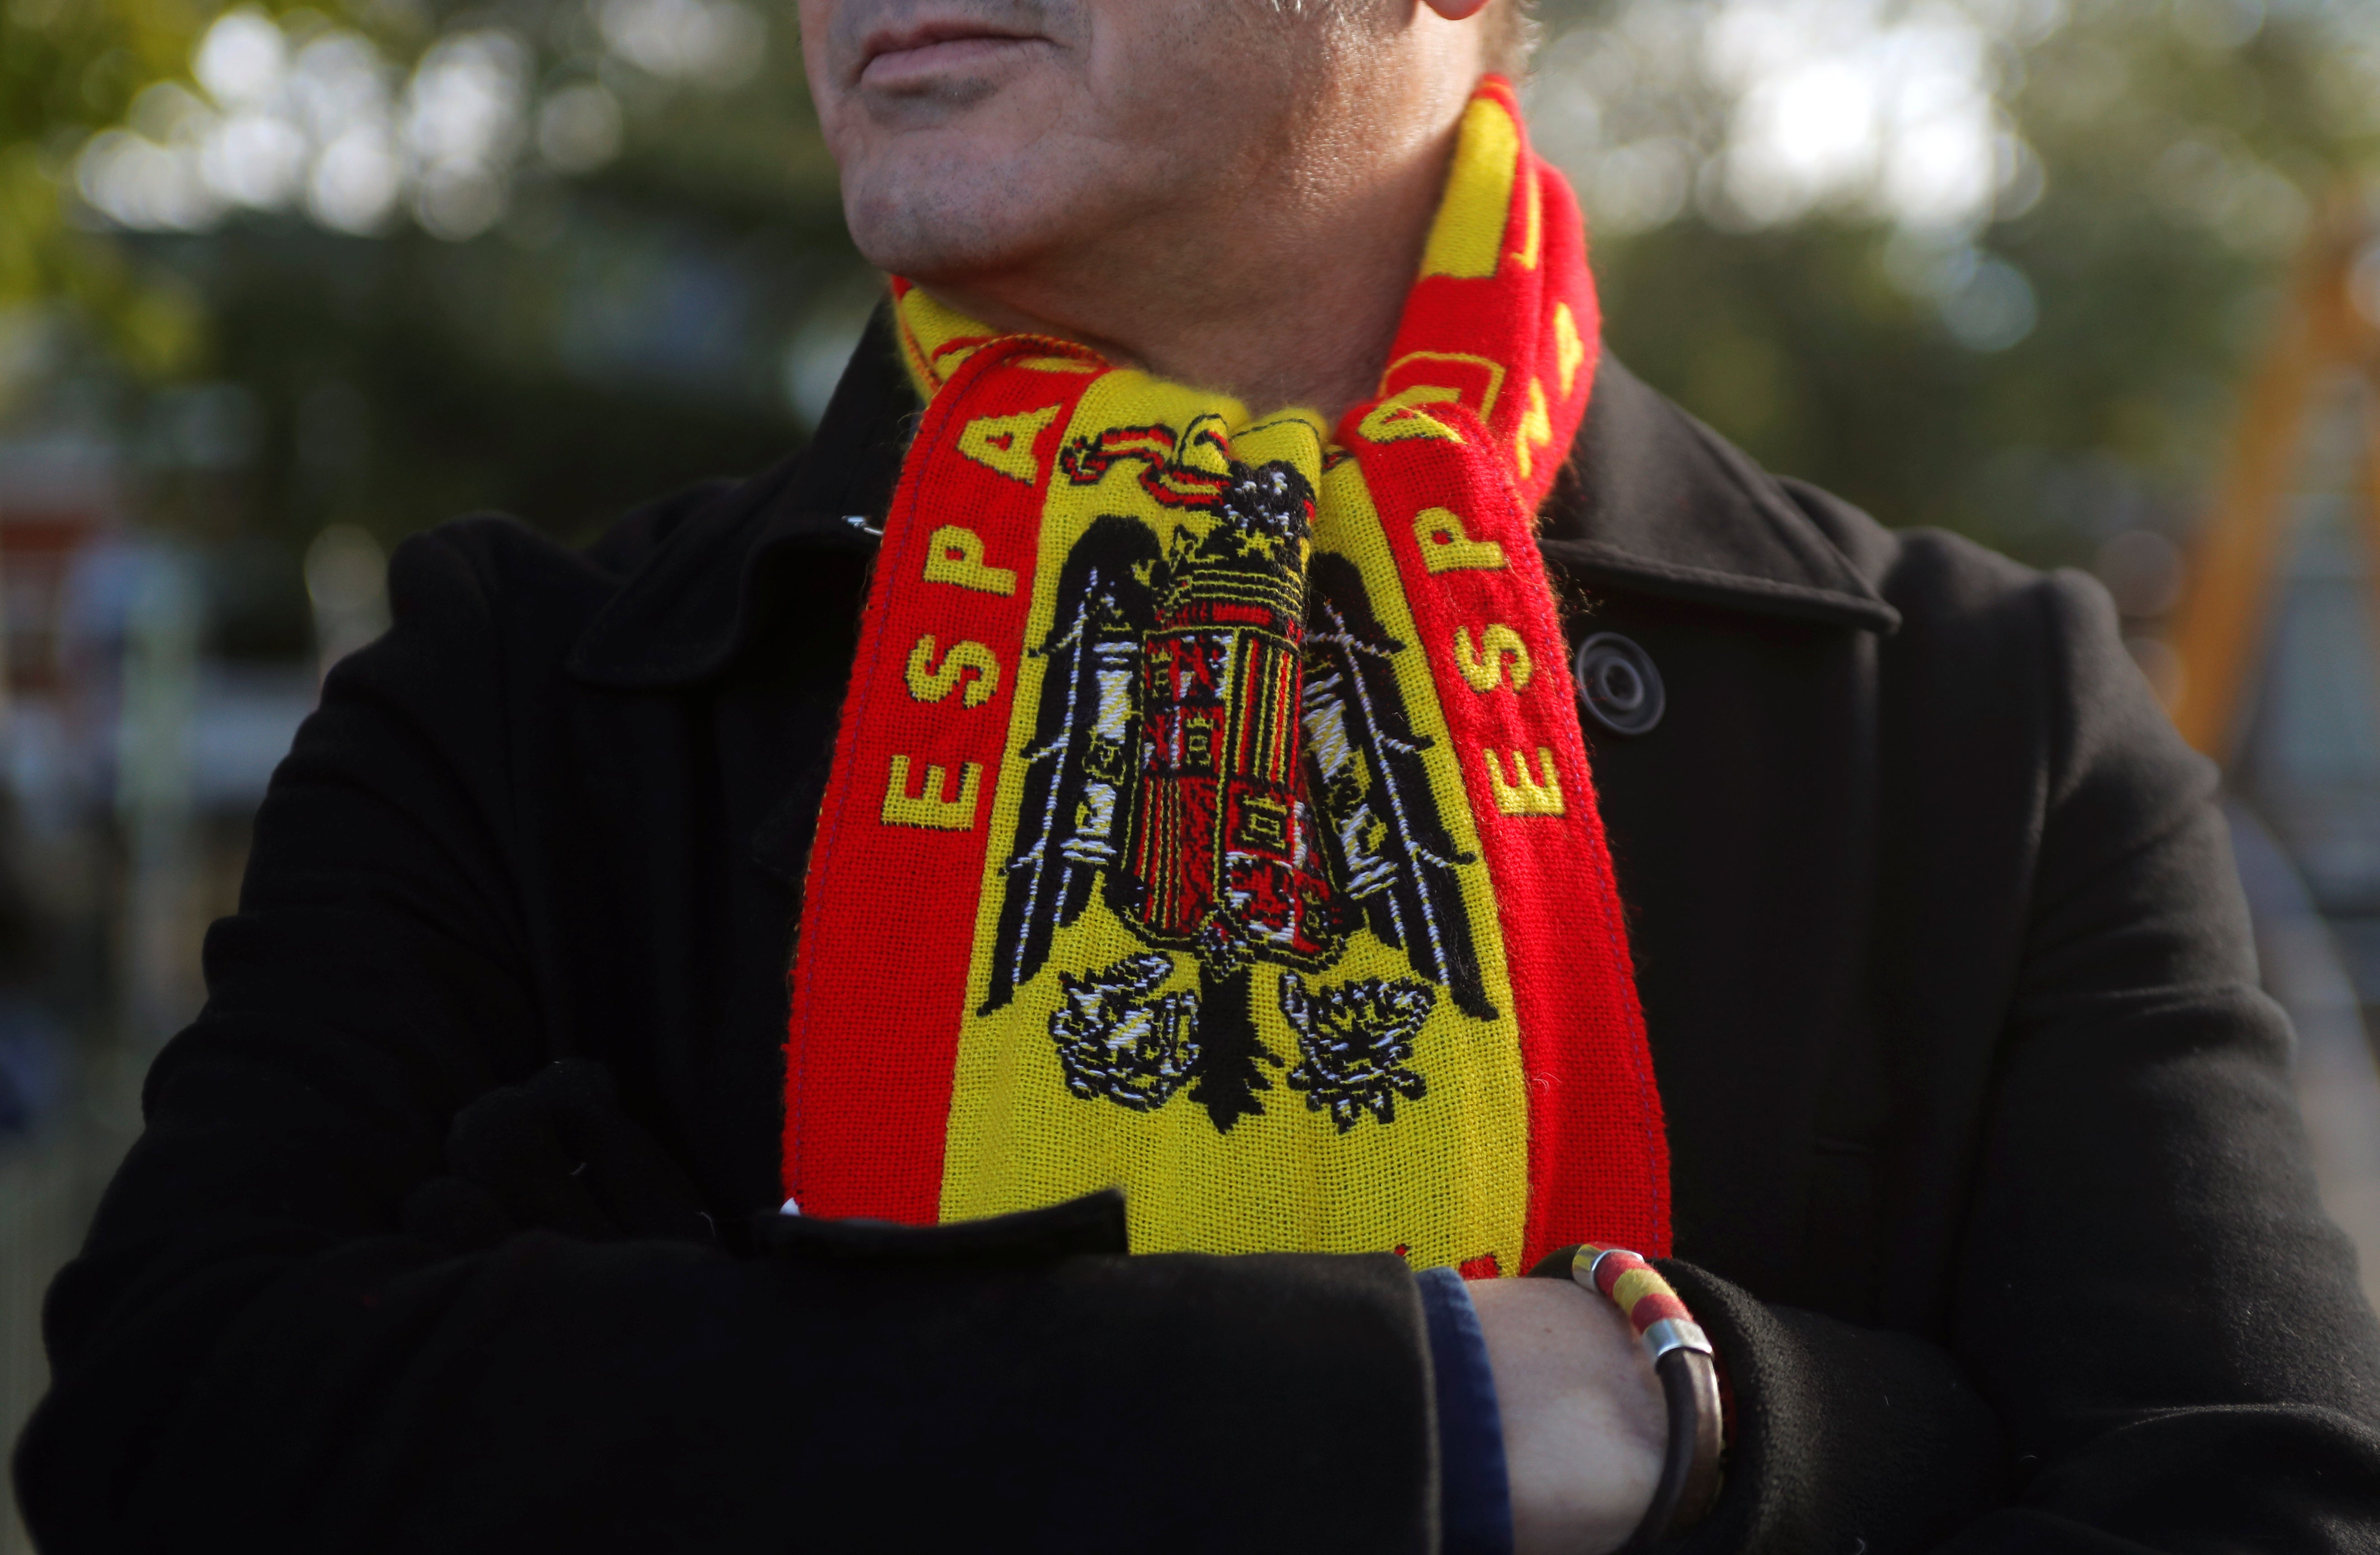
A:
62,66
547,257
1990,265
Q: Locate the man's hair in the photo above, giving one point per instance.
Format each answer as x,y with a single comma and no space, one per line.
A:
1512,32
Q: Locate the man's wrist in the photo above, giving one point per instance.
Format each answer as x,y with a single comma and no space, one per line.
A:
1583,1416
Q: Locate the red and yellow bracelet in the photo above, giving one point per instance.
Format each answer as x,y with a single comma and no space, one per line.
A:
1684,1361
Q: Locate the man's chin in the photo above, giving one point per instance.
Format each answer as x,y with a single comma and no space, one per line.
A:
949,249
949,211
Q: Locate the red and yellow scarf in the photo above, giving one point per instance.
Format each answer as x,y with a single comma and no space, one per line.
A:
1210,814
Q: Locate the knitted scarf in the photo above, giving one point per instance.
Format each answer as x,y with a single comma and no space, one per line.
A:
1210,814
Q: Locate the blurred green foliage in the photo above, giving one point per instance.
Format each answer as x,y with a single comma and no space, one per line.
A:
621,329
64,66
2172,160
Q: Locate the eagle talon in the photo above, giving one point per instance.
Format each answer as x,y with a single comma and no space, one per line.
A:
1354,1042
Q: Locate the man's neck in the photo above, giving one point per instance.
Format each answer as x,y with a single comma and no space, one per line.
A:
1292,298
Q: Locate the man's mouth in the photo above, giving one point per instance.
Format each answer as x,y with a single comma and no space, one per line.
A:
909,56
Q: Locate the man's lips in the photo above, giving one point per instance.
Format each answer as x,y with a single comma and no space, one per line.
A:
913,54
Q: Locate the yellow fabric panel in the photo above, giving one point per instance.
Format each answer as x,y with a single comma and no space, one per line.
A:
1448,1181
928,330
1467,238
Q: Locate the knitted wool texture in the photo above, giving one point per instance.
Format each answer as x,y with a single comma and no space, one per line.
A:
1210,814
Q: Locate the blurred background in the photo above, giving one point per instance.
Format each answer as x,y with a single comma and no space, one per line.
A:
2096,282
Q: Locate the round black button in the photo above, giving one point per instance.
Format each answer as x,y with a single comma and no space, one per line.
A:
1618,685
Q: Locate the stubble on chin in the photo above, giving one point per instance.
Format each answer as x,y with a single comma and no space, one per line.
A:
950,185
921,224
1036,185
954,208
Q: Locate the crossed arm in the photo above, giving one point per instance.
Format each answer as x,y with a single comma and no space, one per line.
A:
347,1293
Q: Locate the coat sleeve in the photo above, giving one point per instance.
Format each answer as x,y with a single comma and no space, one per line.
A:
261,1348
2158,1341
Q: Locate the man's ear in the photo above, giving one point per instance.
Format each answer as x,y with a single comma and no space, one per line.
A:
1457,10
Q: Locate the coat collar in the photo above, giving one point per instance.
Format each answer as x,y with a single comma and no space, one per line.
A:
1651,502
683,612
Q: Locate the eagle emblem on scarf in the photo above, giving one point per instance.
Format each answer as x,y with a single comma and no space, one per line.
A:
1221,755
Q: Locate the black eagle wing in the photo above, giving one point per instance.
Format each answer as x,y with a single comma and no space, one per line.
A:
1388,843
1079,769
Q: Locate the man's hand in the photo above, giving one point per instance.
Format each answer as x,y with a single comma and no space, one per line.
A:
1584,1415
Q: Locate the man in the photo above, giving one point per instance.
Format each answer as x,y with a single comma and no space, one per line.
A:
1198,804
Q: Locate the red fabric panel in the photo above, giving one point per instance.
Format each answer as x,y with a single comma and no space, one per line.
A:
890,923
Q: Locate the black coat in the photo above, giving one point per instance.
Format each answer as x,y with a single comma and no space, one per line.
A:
1987,1177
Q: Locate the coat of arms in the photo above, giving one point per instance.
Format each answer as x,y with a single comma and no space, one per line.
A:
1222,755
